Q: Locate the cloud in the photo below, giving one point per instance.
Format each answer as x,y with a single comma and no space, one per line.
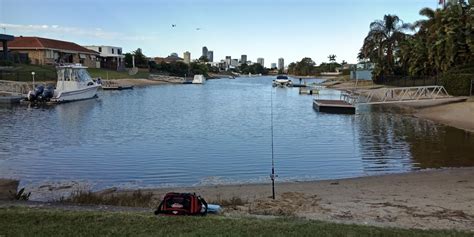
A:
96,33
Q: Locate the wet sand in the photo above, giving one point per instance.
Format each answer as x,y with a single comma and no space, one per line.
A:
459,115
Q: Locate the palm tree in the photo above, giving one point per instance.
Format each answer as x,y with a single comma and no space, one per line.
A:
382,40
332,59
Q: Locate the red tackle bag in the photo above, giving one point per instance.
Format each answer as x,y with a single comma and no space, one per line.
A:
182,204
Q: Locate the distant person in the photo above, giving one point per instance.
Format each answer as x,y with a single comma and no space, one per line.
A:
99,81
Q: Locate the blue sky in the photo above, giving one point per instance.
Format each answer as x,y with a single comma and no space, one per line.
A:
268,29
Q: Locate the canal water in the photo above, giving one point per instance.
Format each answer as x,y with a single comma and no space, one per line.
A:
216,133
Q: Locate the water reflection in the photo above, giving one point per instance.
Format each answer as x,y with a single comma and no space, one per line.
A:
402,142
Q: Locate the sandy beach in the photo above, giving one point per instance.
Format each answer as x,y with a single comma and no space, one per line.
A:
435,199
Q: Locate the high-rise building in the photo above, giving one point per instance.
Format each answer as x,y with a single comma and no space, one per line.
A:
228,60
234,62
281,64
187,57
243,58
261,61
204,51
210,56
274,65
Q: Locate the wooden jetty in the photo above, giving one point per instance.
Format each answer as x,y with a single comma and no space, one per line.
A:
333,106
117,88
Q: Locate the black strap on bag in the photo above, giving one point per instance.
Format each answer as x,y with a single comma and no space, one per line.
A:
205,205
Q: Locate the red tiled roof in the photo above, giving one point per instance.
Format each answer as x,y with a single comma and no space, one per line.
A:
43,43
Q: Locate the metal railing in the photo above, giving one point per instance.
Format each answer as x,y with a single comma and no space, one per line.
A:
395,95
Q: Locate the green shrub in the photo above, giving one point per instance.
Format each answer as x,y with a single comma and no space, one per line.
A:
457,84
6,63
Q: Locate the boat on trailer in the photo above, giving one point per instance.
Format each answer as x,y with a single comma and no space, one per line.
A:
74,83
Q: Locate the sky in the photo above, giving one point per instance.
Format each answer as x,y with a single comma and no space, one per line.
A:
260,28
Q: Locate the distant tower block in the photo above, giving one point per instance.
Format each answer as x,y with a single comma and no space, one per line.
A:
243,58
281,64
204,51
210,56
187,57
261,61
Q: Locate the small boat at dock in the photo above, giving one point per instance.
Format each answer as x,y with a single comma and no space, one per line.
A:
74,83
199,79
282,81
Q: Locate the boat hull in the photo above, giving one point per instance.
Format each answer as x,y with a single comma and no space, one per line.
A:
82,94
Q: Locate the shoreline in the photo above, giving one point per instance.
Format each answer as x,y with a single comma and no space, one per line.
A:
424,199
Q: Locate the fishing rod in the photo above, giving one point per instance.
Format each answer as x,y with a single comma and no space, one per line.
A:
272,176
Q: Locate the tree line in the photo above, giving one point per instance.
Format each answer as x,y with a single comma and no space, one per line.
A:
440,42
307,67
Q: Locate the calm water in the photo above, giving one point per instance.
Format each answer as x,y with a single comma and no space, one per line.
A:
180,135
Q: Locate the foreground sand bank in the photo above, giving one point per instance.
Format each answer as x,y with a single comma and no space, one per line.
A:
436,199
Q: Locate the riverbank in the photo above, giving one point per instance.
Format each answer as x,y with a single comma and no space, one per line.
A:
433,199
153,80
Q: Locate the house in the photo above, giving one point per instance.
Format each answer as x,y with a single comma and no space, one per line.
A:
110,57
170,59
362,71
42,51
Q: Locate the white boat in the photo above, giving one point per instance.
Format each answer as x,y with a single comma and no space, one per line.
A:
199,79
282,81
74,83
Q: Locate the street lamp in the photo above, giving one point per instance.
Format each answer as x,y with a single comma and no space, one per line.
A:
33,75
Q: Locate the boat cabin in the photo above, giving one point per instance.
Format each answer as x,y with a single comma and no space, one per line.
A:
72,77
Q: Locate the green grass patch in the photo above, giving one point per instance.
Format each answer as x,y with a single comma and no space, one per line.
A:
34,68
110,74
20,221
22,72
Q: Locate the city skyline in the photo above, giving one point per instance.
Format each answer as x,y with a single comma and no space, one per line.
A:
309,29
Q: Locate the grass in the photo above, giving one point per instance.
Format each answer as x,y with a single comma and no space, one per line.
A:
22,72
136,199
21,221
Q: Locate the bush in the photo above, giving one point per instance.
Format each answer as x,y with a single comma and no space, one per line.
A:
457,84
6,63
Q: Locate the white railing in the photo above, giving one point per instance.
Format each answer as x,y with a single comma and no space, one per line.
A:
395,95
